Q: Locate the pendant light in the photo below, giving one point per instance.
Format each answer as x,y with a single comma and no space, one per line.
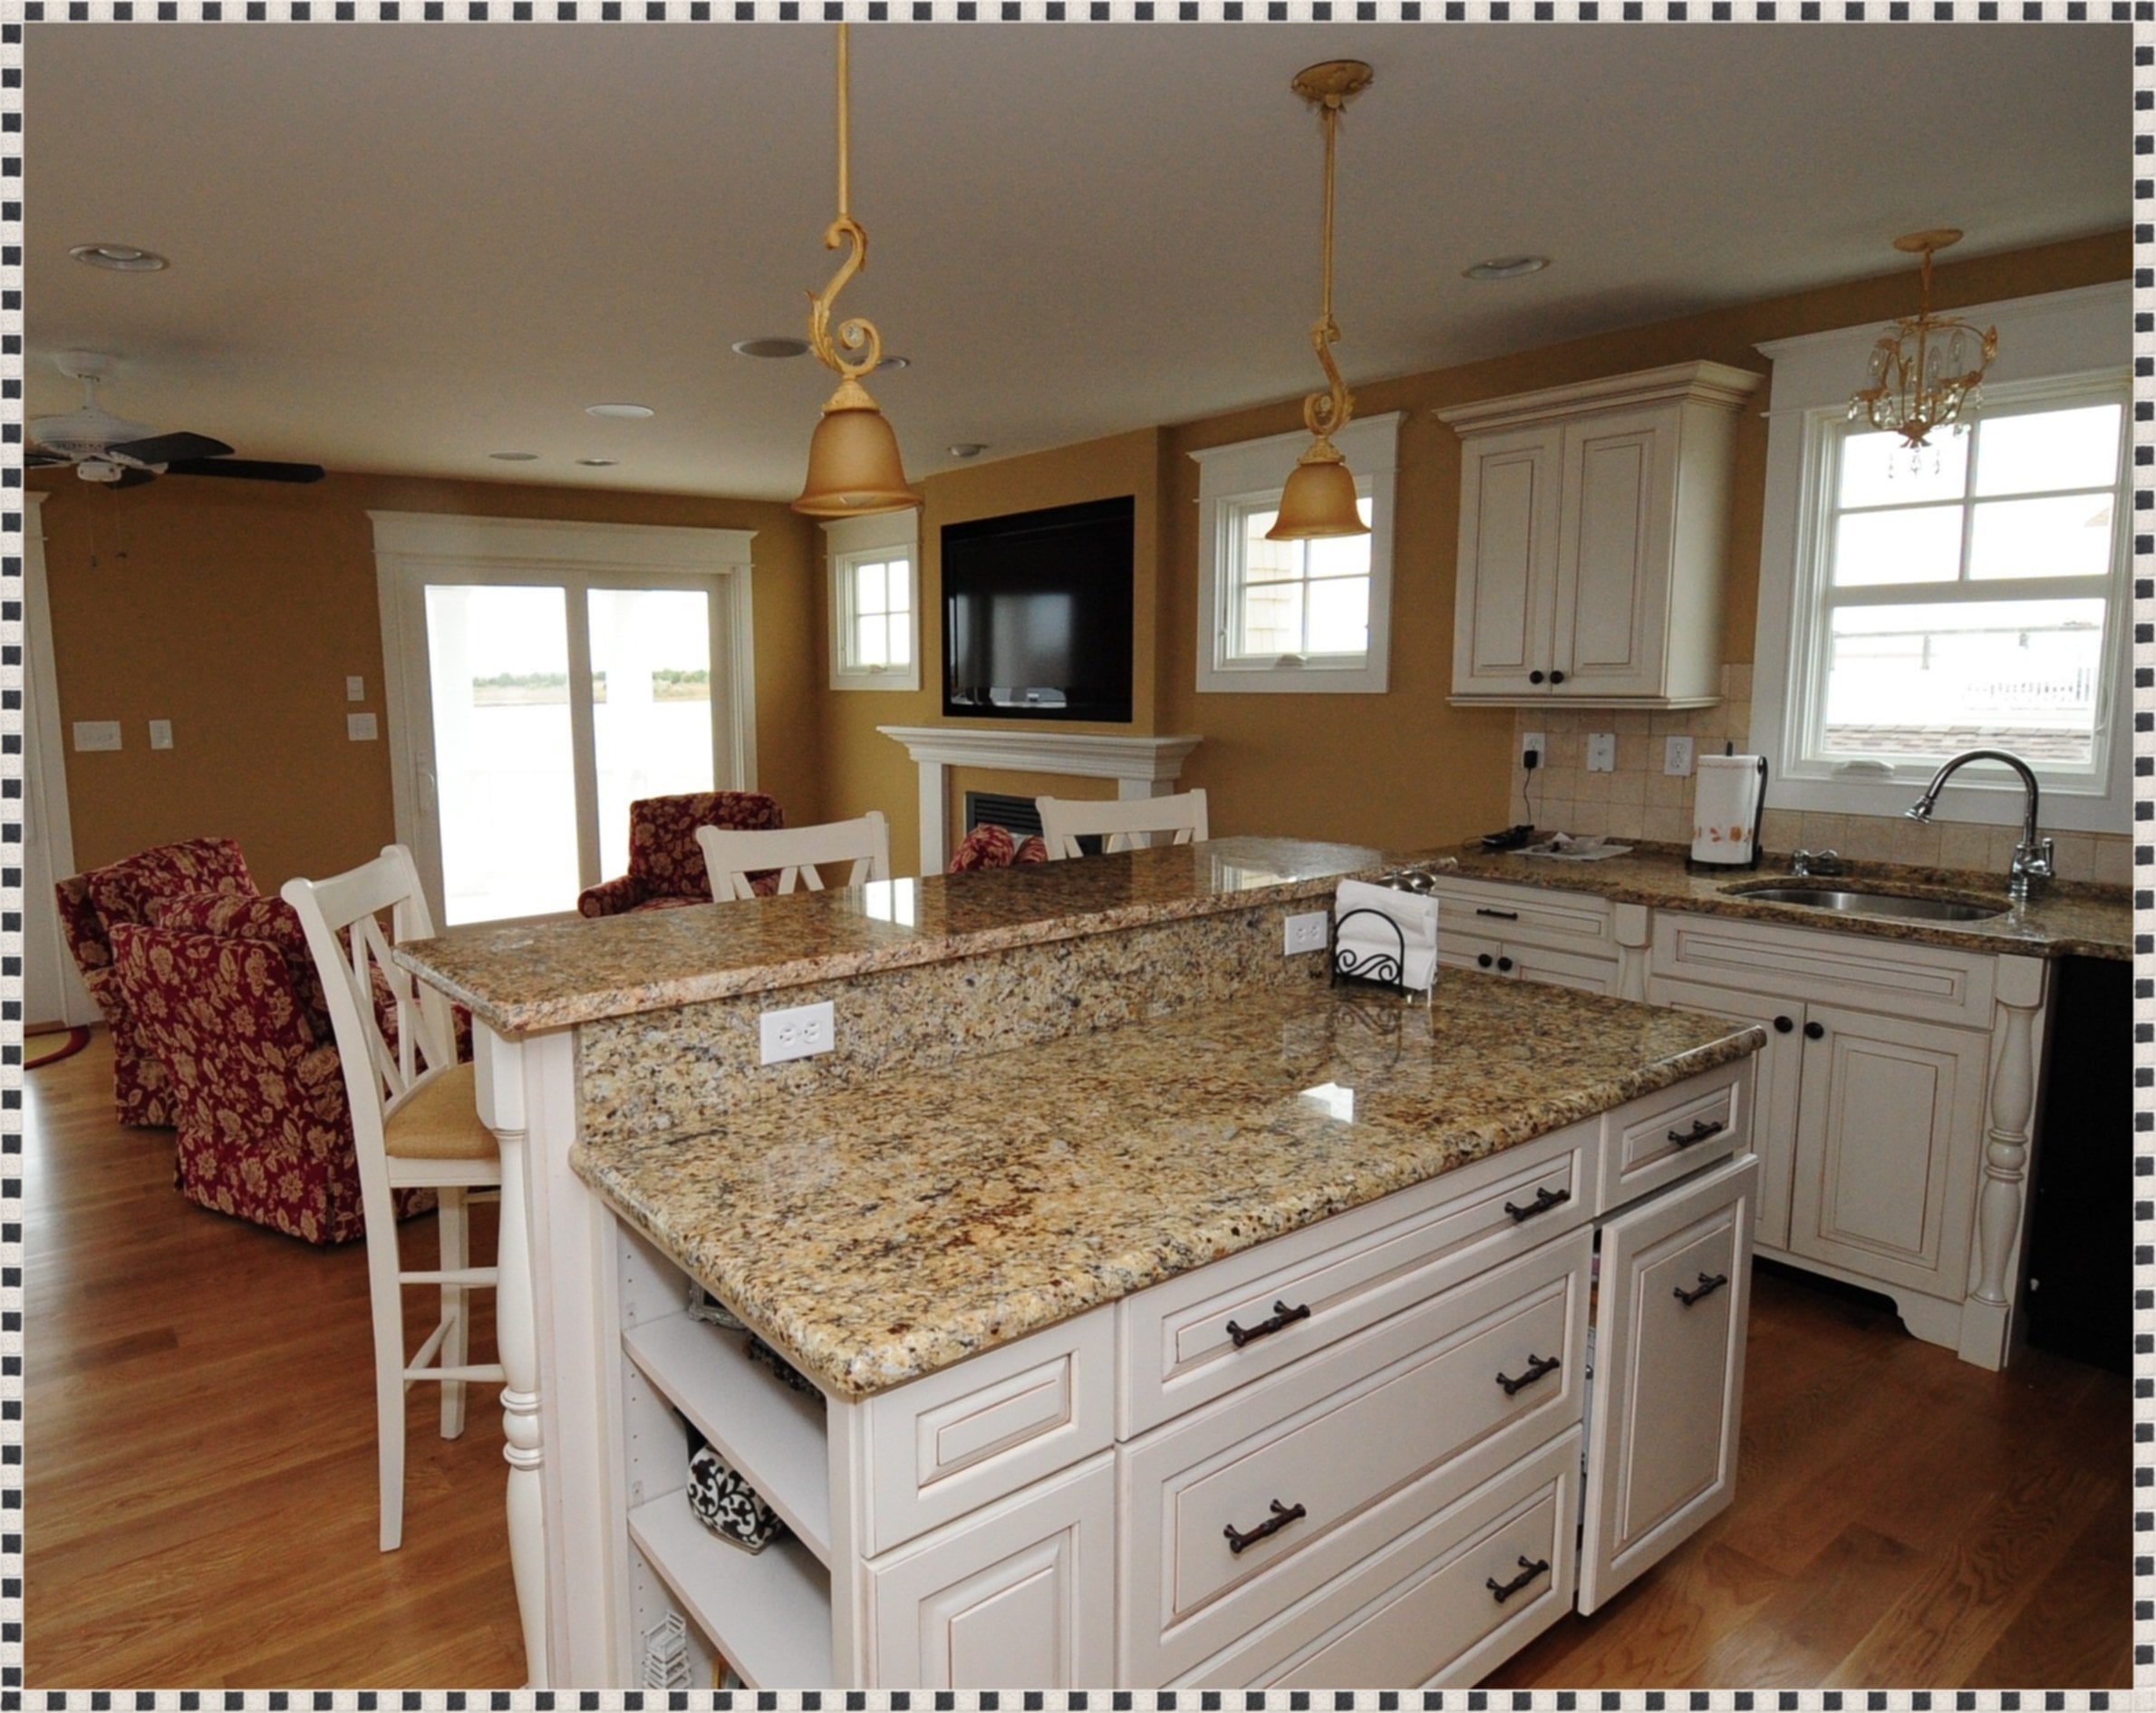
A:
1922,371
854,468
1319,500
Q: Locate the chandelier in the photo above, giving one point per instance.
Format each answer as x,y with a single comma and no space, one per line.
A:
1922,376
854,468
1319,499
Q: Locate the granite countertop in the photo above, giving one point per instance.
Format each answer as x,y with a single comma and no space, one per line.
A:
2071,919
549,975
880,1234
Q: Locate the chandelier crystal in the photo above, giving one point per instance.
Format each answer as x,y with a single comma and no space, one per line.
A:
1319,500
1927,370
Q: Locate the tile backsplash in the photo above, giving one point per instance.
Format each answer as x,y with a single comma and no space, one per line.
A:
1639,801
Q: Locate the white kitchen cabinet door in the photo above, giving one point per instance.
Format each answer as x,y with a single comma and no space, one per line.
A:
1613,556
1668,1374
1021,1591
1779,1067
1508,562
1890,1139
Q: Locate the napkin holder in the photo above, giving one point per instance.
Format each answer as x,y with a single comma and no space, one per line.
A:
1381,970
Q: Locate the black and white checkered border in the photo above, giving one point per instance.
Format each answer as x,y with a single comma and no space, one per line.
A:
15,1699
1077,1702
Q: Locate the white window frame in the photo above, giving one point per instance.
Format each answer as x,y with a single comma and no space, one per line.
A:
413,549
852,541
1233,477
2050,346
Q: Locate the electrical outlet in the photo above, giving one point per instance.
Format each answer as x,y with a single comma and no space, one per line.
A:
1536,743
1602,752
1676,757
355,688
1306,932
798,1031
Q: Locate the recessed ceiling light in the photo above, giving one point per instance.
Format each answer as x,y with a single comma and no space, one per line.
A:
968,449
513,458
627,413
598,463
772,346
123,259
1506,268
895,363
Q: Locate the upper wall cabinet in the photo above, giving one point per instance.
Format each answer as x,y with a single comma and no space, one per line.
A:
1593,528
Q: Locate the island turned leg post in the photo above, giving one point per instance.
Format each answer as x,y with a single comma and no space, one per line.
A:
516,1334
1988,1316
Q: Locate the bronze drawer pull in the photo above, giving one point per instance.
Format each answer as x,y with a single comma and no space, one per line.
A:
1537,1365
1699,1132
1282,1315
1707,1287
1503,915
1530,1568
1546,1198
1281,1516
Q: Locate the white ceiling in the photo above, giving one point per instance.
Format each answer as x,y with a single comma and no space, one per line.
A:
401,247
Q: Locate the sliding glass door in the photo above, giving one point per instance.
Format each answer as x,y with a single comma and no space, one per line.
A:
538,702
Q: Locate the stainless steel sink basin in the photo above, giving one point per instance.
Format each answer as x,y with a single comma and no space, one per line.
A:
1872,904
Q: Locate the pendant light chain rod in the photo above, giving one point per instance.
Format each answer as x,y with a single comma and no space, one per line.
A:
1327,412
856,334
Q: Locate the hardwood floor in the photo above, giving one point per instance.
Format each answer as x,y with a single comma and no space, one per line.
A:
199,1504
201,1479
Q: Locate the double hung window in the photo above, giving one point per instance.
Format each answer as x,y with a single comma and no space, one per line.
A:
875,601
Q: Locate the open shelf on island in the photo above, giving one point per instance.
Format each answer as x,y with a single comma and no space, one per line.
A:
768,1612
774,1436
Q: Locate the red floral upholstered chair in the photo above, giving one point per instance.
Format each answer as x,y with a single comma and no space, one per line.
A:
125,891
665,864
223,993
989,847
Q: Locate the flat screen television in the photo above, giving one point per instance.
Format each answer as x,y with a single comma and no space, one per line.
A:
1036,613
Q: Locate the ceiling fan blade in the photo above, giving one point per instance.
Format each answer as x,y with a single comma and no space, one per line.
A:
162,449
133,479
253,469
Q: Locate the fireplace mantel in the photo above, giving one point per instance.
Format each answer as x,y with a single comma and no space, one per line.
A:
1141,767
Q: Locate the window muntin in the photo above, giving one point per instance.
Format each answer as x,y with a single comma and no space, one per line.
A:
1302,601
1966,599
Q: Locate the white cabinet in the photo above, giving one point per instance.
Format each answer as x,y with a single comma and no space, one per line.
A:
1593,521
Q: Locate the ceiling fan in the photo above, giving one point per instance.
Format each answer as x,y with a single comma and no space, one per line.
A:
109,449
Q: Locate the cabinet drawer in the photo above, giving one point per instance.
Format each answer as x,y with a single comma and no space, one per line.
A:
1566,921
1674,1131
1842,969
1354,1269
956,1440
1355,1446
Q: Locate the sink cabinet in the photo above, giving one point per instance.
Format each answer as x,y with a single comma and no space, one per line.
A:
1387,1485
1592,526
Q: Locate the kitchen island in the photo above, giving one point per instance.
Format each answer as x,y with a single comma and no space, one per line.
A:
1094,1175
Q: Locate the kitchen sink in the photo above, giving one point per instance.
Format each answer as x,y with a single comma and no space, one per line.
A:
1873,904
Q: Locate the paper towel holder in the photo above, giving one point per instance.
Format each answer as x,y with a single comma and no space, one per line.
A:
1693,866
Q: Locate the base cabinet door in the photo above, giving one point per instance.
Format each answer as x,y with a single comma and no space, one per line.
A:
1668,1374
1021,1591
1890,1139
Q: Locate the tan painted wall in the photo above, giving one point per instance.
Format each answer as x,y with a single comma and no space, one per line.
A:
863,770
237,609
1403,770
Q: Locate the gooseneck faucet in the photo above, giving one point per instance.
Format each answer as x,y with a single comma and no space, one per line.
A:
2032,863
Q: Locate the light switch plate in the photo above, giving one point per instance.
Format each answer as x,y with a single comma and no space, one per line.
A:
355,688
796,1031
360,728
1676,757
97,734
160,734
1602,752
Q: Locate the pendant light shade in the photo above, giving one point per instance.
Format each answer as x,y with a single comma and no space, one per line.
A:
1319,500
854,466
